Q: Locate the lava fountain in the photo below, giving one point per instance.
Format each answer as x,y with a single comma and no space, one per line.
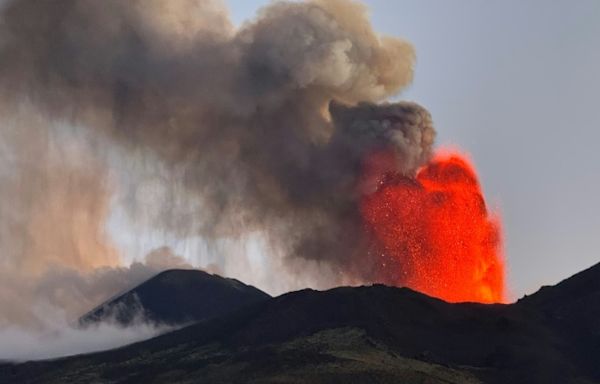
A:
433,232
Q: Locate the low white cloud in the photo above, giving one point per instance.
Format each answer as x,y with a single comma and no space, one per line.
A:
59,338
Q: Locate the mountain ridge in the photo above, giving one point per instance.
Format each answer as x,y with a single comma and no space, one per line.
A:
175,297
344,334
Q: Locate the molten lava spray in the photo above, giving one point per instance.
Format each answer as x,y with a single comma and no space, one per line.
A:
433,232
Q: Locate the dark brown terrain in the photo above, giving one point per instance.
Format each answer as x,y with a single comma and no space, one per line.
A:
373,334
176,297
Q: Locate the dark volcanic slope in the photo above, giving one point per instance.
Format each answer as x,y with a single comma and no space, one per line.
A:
572,309
371,334
175,297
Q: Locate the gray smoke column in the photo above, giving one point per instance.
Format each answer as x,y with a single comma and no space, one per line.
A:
263,127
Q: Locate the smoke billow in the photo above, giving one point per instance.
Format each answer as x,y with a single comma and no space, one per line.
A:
56,259
262,128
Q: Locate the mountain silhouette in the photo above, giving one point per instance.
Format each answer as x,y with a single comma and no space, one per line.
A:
176,297
370,334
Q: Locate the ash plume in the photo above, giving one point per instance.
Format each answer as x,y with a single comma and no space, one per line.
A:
262,128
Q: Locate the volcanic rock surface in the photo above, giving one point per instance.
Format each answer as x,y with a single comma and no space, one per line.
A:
374,334
175,297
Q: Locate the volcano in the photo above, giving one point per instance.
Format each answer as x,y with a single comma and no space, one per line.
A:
175,297
375,334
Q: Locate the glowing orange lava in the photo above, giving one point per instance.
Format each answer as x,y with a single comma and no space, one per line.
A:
433,233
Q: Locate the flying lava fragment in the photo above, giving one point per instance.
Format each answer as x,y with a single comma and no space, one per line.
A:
433,232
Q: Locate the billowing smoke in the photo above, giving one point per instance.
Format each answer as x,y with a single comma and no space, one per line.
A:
56,258
261,129
251,121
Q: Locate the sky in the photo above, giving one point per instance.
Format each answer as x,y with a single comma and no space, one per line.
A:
514,83
517,85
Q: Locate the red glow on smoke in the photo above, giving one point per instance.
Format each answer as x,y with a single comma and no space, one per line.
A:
433,233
